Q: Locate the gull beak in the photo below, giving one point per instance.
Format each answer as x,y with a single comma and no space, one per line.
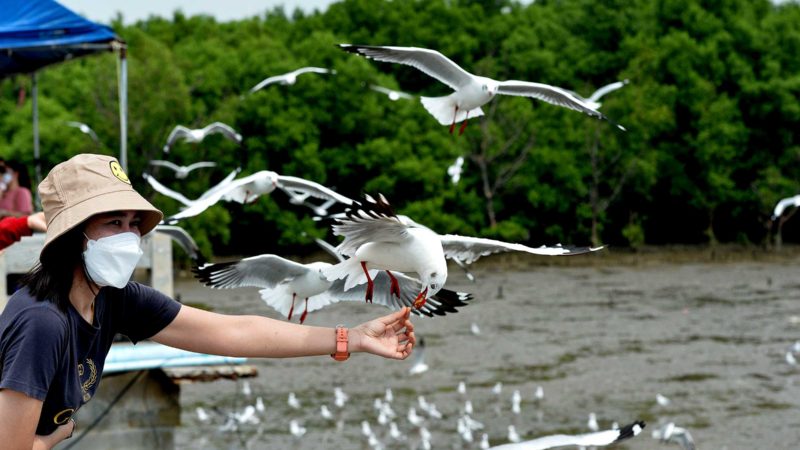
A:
419,302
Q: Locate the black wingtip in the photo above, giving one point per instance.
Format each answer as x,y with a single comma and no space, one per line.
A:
629,431
204,272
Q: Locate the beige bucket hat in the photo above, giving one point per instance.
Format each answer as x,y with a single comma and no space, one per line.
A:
86,185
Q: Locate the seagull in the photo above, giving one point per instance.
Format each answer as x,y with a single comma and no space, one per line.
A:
85,129
366,430
462,388
783,204
597,439
296,429
513,436
289,78
454,171
391,93
260,405
375,239
516,401
184,240
325,412
198,134
592,423
471,91
339,397
593,102
674,434
414,418
790,359
662,400
395,433
419,366
293,402
181,172
497,389
246,390
300,190
202,415
539,394
241,190
484,444
474,328
283,281
389,397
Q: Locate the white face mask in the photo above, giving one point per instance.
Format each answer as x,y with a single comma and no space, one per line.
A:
110,261
7,178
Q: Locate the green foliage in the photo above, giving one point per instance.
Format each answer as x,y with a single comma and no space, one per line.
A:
712,112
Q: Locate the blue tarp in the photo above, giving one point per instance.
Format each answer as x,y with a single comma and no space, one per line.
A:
36,33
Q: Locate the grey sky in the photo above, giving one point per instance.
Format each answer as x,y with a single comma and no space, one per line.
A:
223,10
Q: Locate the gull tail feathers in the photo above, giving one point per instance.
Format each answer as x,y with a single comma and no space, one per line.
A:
349,270
443,109
279,298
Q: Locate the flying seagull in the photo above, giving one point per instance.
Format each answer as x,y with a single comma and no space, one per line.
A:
197,135
597,439
284,281
85,129
471,91
670,433
455,170
289,78
376,239
391,93
181,171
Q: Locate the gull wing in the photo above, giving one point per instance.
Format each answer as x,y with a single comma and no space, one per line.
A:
224,129
184,239
597,439
431,62
221,185
168,164
161,189
550,94
606,89
445,301
310,69
783,204
468,249
295,186
263,271
176,133
329,249
389,92
367,222
199,165
266,82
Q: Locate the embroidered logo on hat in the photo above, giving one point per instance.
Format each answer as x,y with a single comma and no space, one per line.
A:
117,171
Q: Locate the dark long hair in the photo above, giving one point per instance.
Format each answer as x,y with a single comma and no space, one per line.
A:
51,279
23,179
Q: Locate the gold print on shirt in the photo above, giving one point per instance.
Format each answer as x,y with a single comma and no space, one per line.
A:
62,417
86,385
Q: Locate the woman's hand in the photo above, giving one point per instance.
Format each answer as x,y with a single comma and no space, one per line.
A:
390,336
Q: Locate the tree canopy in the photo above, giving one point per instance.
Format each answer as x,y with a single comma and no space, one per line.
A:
712,113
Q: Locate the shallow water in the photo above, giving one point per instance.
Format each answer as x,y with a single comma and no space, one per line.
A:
604,339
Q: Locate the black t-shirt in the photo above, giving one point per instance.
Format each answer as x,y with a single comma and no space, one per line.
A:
58,358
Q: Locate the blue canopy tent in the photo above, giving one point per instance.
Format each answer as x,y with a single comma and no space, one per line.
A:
37,33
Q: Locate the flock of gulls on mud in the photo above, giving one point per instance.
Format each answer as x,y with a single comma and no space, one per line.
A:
384,258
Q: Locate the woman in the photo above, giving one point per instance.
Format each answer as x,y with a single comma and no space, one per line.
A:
16,199
56,331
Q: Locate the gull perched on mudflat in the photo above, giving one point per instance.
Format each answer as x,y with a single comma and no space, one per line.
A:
471,91
376,239
181,172
391,93
283,281
290,77
597,439
198,134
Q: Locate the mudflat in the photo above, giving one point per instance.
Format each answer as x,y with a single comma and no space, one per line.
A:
605,337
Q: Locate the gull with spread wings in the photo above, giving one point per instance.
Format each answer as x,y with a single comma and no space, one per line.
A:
247,189
471,91
181,172
198,134
376,239
283,281
290,77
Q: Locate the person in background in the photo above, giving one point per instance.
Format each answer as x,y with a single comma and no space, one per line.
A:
13,229
56,331
16,200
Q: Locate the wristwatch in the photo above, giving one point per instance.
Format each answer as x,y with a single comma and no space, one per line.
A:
341,344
